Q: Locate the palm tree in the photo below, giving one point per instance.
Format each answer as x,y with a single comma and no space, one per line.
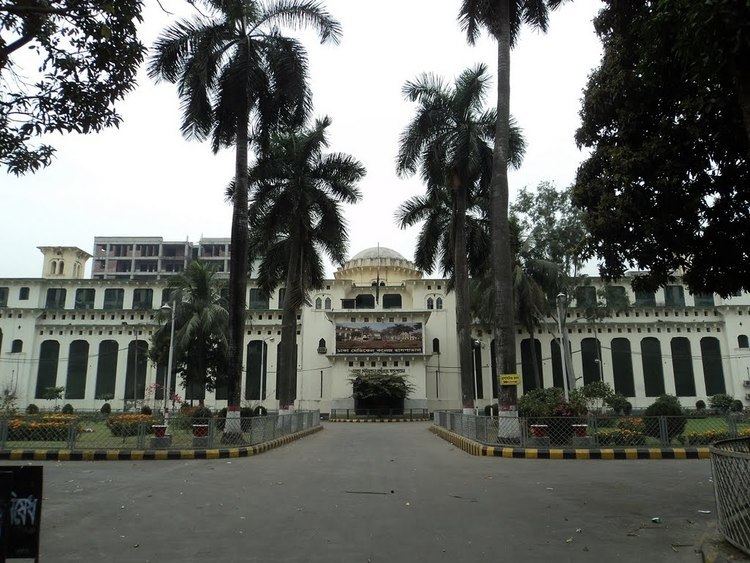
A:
200,338
503,19
449,142
295,218
238,78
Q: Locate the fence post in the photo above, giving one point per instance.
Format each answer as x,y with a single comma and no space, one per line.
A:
663,431
72,434
732,425
594,429
211,432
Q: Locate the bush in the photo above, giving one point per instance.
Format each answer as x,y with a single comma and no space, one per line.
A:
50,428
618,403
122,425
620,437
737,406
700,405
32,409
67,408
145,409
721,402
705,437
201,415
669,406
260,410
540,402
632,424
106,408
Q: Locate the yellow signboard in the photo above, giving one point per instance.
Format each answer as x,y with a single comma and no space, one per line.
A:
510,379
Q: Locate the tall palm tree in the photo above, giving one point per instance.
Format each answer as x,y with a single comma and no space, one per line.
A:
449,143
295,218
238,78
503,20
200,338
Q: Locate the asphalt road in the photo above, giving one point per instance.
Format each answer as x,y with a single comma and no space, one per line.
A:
375,492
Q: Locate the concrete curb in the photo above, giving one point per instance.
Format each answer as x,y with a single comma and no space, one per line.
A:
379,420
137,455
475,448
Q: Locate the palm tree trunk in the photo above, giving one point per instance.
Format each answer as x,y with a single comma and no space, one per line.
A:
238,265
463,318
287,362
502,262
535,359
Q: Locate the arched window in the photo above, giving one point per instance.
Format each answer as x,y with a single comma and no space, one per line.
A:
257,366
742,341
591,353
382,284
135,372
493,368
622,367
439,303
713,371
430,303
61,268
53,267
328,304
322,346
435,345
78,360
318,303
16,347
682,365
106,370
49,354
374,283
653,371
479,384
531,364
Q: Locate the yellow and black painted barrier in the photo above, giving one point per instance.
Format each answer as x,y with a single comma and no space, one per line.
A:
420,419
475,448
153,454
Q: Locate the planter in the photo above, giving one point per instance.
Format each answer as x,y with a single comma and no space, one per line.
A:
200,430
580,430
539,430
159,430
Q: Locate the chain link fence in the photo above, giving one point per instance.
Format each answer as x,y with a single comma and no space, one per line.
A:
373,414
730,464
144,431
594,431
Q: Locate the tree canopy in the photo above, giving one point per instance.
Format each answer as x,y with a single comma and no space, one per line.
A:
667,185
63,66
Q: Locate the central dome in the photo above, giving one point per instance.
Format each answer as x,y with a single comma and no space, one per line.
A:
376,252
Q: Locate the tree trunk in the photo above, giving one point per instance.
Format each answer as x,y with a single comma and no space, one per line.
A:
502,261
463,316
743,90
238,265
286,371
535,360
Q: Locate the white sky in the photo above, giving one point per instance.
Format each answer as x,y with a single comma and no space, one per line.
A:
145,180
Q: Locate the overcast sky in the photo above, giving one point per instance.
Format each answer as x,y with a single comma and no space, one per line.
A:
145,180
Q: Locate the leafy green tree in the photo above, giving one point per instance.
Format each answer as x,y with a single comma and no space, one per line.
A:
667,183
503,20
449,142
296,218
200,337
239,78
80,58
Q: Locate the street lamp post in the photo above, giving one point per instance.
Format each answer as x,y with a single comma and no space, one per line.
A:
168,375
561,303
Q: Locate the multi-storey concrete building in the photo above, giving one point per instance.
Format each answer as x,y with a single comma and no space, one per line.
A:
378,313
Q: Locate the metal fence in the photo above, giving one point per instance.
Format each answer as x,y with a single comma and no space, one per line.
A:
140,431
594,431
730,463
372,414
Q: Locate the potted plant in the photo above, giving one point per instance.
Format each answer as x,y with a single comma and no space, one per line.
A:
580,430
539,430
200,419
160,430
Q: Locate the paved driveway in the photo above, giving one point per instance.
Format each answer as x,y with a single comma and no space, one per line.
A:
375,492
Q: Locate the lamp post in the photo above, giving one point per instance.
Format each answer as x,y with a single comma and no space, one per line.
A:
561,305
168,376
262,390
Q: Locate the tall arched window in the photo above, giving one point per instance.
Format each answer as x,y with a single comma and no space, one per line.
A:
435,345
439,303
713,371
653,371
318,303
531,364
257,370
682,366
135,372
479,384
78,361
622,367
106,369
327,304
430,303
46,376
742,341
61,268
591,353
493,368
53,267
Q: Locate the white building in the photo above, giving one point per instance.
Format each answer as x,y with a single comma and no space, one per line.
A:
91,337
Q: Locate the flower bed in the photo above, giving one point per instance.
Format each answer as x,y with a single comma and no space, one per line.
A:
706,437
48,428
620,437
122,425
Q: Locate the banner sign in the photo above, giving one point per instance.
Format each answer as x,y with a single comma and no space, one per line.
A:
379,338
21,514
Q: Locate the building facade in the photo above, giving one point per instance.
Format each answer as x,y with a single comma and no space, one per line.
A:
91,336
